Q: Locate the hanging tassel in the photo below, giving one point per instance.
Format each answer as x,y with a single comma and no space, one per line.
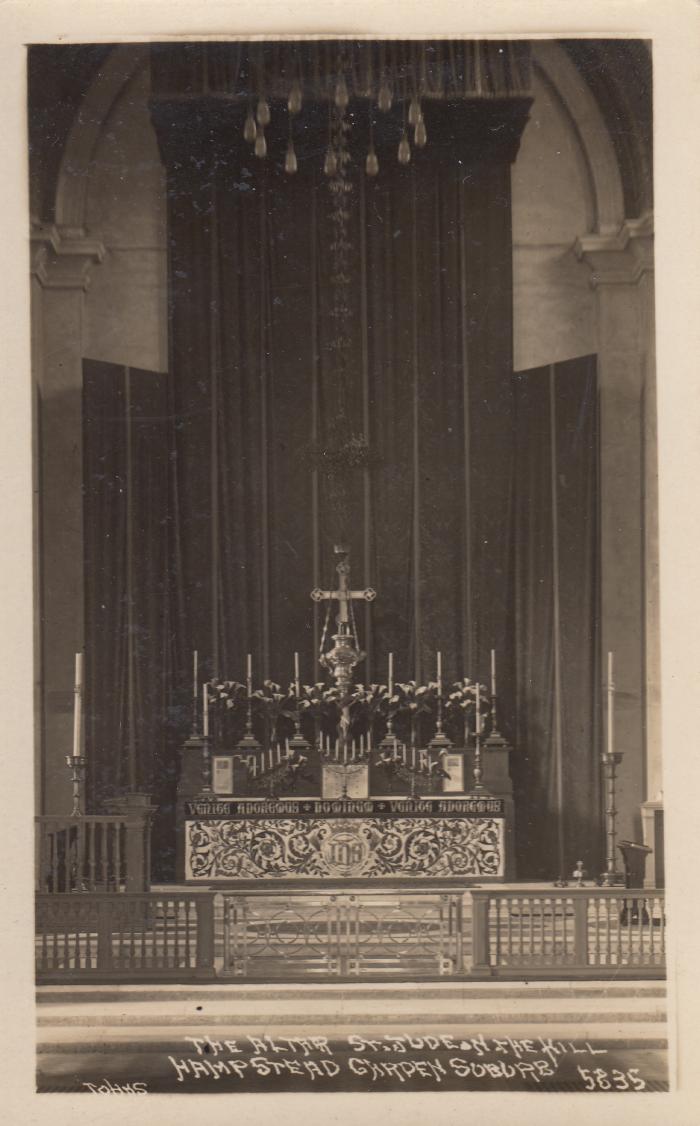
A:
249,130
330,164
371,164
294,100
414,112
404,153
384,99
341,93
260,143
290,160
263,113
421,135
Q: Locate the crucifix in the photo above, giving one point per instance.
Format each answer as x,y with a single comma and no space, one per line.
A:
346,653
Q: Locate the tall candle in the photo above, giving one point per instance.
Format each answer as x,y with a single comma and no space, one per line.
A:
439,673
477,719
493,672
611,706
249,673
205,711
391,674
78,706
195,678
296,674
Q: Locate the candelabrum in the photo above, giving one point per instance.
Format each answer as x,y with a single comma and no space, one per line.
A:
611,877
77,765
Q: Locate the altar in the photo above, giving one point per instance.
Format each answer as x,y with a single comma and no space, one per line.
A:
446,837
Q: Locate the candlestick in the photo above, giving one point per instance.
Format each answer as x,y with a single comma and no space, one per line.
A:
205,711
78,706
611,707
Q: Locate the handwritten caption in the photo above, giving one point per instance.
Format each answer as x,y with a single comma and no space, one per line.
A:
399,1060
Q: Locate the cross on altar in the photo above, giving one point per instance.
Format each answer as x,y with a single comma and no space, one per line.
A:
343,595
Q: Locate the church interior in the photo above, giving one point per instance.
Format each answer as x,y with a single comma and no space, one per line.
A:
346,535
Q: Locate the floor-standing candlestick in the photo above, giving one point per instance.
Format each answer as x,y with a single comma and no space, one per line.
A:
77,761
610,759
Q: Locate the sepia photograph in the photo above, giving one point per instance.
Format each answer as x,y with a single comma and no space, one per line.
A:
348,738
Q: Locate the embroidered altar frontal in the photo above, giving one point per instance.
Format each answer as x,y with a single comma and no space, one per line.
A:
415,838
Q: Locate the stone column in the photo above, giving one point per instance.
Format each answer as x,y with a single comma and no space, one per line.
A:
61,264
622,276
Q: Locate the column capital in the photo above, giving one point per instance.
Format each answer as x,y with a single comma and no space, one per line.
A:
62,257
621,258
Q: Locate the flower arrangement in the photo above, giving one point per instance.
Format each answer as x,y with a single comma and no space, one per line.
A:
460,706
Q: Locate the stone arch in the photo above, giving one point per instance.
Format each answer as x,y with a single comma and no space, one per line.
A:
122,64
590,127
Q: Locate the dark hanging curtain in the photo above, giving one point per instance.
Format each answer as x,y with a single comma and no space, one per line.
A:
250,337
556,763
127,664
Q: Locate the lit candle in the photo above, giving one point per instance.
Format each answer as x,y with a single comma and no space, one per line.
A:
205,711
78,706
296,675
493,672
249,673
439,673
611,706
195,678
391,674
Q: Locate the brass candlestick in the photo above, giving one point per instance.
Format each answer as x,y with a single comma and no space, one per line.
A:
77,765
611,877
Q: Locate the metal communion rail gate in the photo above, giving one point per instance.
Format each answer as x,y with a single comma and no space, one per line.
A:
290,934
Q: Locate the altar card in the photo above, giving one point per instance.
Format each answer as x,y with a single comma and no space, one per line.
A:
356,780
222,774
453,765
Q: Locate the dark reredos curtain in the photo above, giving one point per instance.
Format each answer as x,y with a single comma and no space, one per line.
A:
555,766
230,525
431,326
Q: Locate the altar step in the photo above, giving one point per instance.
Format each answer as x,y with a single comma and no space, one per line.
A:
159,1017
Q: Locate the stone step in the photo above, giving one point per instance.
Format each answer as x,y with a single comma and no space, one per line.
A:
242,991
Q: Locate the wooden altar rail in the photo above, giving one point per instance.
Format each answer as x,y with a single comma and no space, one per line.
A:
300,935
573,932
147,937
92,853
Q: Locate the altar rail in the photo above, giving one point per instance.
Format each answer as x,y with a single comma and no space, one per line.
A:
150,937
577,932
290,935
371,933
92,853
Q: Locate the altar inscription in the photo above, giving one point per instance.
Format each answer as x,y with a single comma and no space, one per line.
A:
345,807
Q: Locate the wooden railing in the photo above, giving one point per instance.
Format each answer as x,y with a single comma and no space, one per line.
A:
150,936
92,853
581,932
